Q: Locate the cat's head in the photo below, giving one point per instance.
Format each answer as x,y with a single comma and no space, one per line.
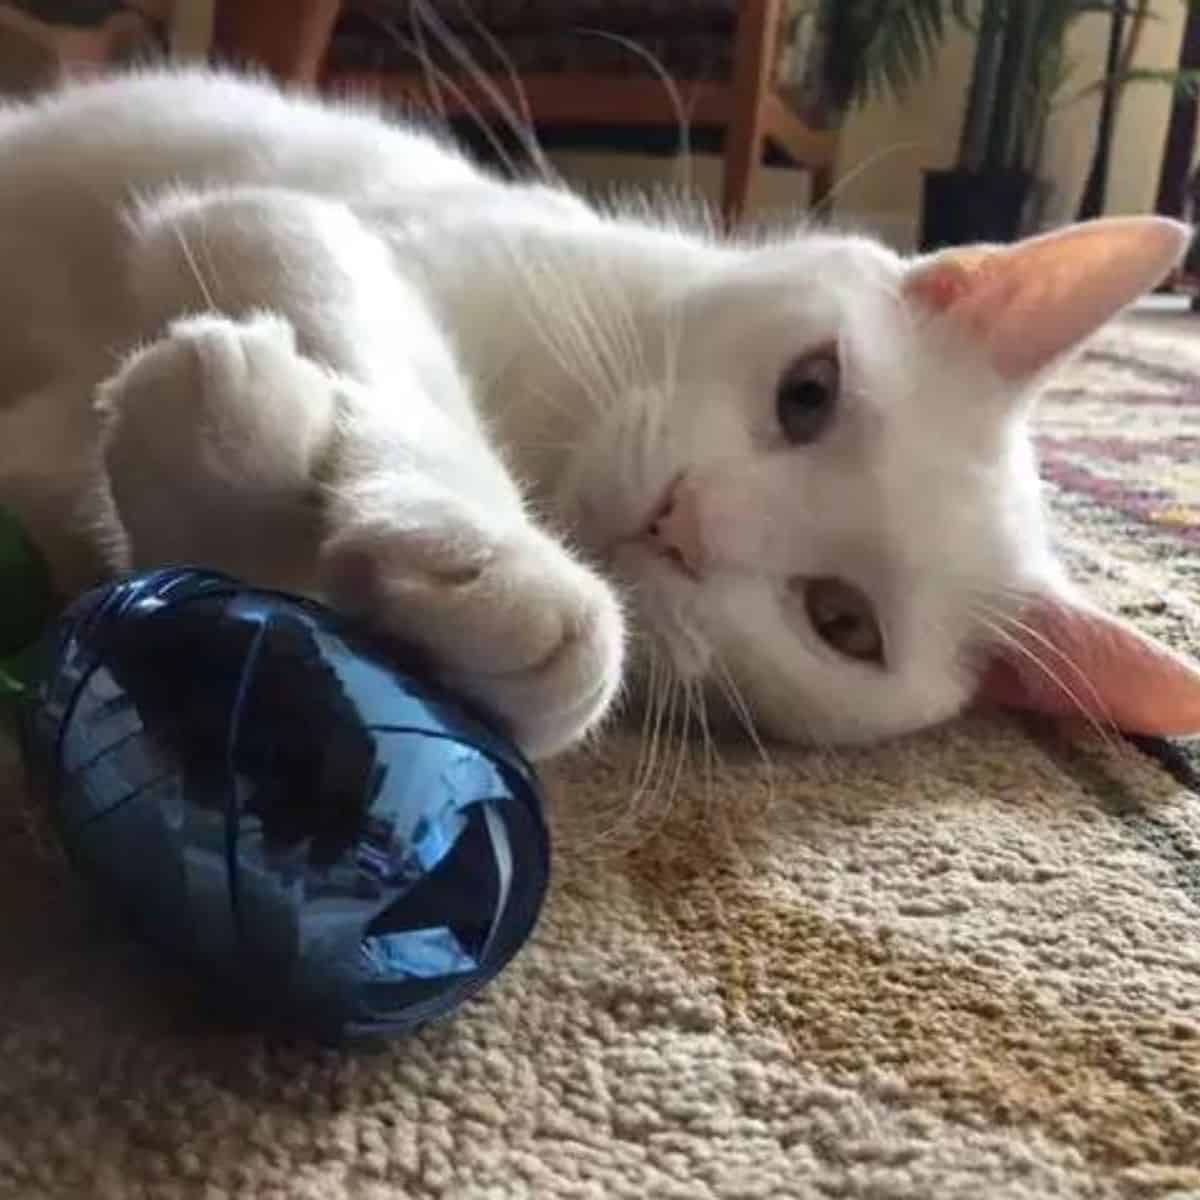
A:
829,499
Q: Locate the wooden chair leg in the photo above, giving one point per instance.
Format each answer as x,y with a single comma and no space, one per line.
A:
753,69
290,38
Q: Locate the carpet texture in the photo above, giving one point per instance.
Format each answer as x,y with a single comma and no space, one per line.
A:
964,965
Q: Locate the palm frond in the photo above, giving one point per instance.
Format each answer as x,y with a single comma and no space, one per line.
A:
1185,82
881,47
1021,66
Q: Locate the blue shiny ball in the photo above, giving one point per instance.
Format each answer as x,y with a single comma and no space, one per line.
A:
334,845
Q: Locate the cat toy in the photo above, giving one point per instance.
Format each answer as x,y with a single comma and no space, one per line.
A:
332,845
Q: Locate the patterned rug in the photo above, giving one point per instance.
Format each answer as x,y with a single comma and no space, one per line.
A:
965,965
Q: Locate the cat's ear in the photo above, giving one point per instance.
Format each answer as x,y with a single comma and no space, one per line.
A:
1029,303
1065,657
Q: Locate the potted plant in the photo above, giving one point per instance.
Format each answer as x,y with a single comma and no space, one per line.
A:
1020,65
854,51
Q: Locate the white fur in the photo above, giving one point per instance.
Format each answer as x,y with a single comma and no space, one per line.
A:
323,351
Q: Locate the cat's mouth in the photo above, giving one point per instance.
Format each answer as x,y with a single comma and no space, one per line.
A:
648,542
658,511
671,540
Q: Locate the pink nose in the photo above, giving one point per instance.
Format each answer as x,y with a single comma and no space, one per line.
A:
675,532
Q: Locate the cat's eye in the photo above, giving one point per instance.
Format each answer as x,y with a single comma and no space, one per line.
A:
843,618
807,396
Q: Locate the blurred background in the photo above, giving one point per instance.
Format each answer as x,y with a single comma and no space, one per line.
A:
925,121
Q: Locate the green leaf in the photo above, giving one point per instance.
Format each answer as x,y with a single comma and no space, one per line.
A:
1186,81
877,48
1009,103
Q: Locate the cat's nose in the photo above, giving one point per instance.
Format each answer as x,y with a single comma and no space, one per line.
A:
676,533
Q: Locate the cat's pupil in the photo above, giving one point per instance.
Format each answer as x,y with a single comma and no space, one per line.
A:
843,618
806,398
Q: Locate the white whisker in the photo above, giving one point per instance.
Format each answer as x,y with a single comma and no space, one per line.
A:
733,694
436,80
526,123
670,86
423,12
1101,725
193,266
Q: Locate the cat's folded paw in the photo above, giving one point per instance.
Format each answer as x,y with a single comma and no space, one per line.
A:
515,624
565,655
204,361
209,435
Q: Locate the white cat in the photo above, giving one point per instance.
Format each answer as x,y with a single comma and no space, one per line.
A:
322,351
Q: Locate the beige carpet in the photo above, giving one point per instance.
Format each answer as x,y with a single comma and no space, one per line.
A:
967,965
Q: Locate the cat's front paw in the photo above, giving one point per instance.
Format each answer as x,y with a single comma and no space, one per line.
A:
208,439
561,641
514,623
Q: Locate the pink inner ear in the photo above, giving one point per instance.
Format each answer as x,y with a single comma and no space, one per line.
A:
1073,660
1029,303
941,286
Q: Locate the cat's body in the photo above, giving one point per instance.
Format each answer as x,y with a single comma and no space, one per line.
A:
77,169
326,353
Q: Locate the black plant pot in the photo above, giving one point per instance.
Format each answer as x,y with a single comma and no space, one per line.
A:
961,207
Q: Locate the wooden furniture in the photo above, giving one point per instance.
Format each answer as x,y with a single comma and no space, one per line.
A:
297,41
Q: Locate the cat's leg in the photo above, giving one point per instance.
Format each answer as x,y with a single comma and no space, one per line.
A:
292,436
512,618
